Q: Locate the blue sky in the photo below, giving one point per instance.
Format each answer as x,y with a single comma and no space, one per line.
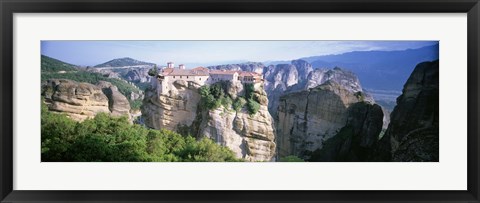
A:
196,53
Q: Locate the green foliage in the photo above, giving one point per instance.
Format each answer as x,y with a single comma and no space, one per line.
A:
239,103
50,68
249,91
92,78
226,101
53,65
215,95
108,139
58,133
291,158
252,100
252,106
211,96
126,61
153,71
205,150
136,104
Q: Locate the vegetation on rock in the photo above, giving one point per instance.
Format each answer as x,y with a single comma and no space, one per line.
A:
216,95
54,65
108,139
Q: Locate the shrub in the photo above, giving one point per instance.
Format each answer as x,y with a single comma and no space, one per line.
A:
153,71
252,106
239,103
226,101
107,139
136,104
291,158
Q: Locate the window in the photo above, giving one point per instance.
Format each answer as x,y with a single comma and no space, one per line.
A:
187,76
199,78
173,76
180,76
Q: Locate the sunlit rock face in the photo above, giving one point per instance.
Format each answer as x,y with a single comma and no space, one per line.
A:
306,119
84,100
251,137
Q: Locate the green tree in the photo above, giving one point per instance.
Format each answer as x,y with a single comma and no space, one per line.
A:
113,139
252,106
291,158
239,103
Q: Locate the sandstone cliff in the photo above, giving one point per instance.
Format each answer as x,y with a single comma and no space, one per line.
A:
117,103
413,132
83,100
251,137
171,110
333,104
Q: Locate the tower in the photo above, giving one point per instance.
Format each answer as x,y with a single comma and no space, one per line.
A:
181,66
170,65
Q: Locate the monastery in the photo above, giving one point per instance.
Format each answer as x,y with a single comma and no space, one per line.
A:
203,76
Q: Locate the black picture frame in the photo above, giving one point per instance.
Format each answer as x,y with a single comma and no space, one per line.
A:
10,7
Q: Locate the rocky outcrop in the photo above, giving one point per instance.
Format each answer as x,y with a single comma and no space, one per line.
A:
299,75
250,67
321,111
171,110
357,139
277,80
118,104
251,137
137,75
307,118
82,100
413,132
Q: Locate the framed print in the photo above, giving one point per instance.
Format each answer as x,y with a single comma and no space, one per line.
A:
216,101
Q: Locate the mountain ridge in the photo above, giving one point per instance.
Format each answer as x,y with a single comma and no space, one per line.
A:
124,61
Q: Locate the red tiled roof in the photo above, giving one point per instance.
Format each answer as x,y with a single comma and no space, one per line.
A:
201,69
182,72
167,71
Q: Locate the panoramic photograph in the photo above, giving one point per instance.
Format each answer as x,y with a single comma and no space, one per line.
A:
239,101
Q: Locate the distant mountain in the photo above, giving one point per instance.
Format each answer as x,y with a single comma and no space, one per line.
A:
385,70
121,62
53,65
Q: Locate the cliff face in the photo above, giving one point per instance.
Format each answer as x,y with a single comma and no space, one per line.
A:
328,118
251,137
357,139
306,119
171,110
83,100
137,75
277,79
299,75
250,67
412,134
117,103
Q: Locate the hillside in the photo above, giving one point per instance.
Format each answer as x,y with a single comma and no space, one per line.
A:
53,65
50,70
121,62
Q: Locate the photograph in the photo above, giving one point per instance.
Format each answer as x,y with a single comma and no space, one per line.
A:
239,101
